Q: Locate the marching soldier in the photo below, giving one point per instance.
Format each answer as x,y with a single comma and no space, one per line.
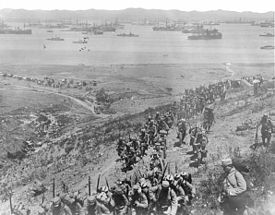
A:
90,206
166,200
139,201
103,200
119,201
59,208
266,129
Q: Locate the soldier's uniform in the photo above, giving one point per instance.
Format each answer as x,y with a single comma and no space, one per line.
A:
235,197
139,201
103,200
166,200
119,201
59,208
266,129
90,206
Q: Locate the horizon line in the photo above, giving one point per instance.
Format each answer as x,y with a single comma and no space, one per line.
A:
244,11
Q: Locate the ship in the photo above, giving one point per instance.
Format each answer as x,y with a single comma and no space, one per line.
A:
127,35
107,28
81,41
268,47
206,35
15,31
266,35
97,32
56,39
211,23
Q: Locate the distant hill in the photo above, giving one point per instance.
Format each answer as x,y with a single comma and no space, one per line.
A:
130,14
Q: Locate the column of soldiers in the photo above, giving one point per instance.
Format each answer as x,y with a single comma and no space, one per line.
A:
195,100
155,192
151,135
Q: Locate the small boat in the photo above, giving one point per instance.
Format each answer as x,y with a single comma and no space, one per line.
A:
266,35
268,47
127,35
56,39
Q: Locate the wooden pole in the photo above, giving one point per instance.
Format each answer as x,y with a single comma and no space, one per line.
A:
53,187
89,185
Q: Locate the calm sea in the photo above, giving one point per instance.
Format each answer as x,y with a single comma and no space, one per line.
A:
240,44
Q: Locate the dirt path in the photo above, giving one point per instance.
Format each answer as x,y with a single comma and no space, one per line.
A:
87,105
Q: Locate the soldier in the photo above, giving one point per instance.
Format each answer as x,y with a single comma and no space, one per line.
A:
182,128
208,118
266,129
147,189
157,117
156,162
152,132
75,205
186,183
59,208
120,146
162,125
103,200
90,206
166,200
139,200
152,177
119,201
234,187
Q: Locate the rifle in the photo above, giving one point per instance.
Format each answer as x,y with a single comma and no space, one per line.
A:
11,208
97,185
176,167
43,199
107,183
165,168
141,175
89,185
53,187
256,136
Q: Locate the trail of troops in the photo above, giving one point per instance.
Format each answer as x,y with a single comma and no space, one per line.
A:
157,191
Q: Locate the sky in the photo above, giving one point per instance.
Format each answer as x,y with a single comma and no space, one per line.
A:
184,5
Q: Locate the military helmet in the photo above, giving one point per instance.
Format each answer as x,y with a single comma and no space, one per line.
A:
165,184
136,187
91,200
144,184
56,202
104,189
177,176
163,132
169,178
150,174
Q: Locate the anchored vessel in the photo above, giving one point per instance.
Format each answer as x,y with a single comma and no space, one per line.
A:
206,35
267,35
268,47
56,39
81,41
127,35
15,31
